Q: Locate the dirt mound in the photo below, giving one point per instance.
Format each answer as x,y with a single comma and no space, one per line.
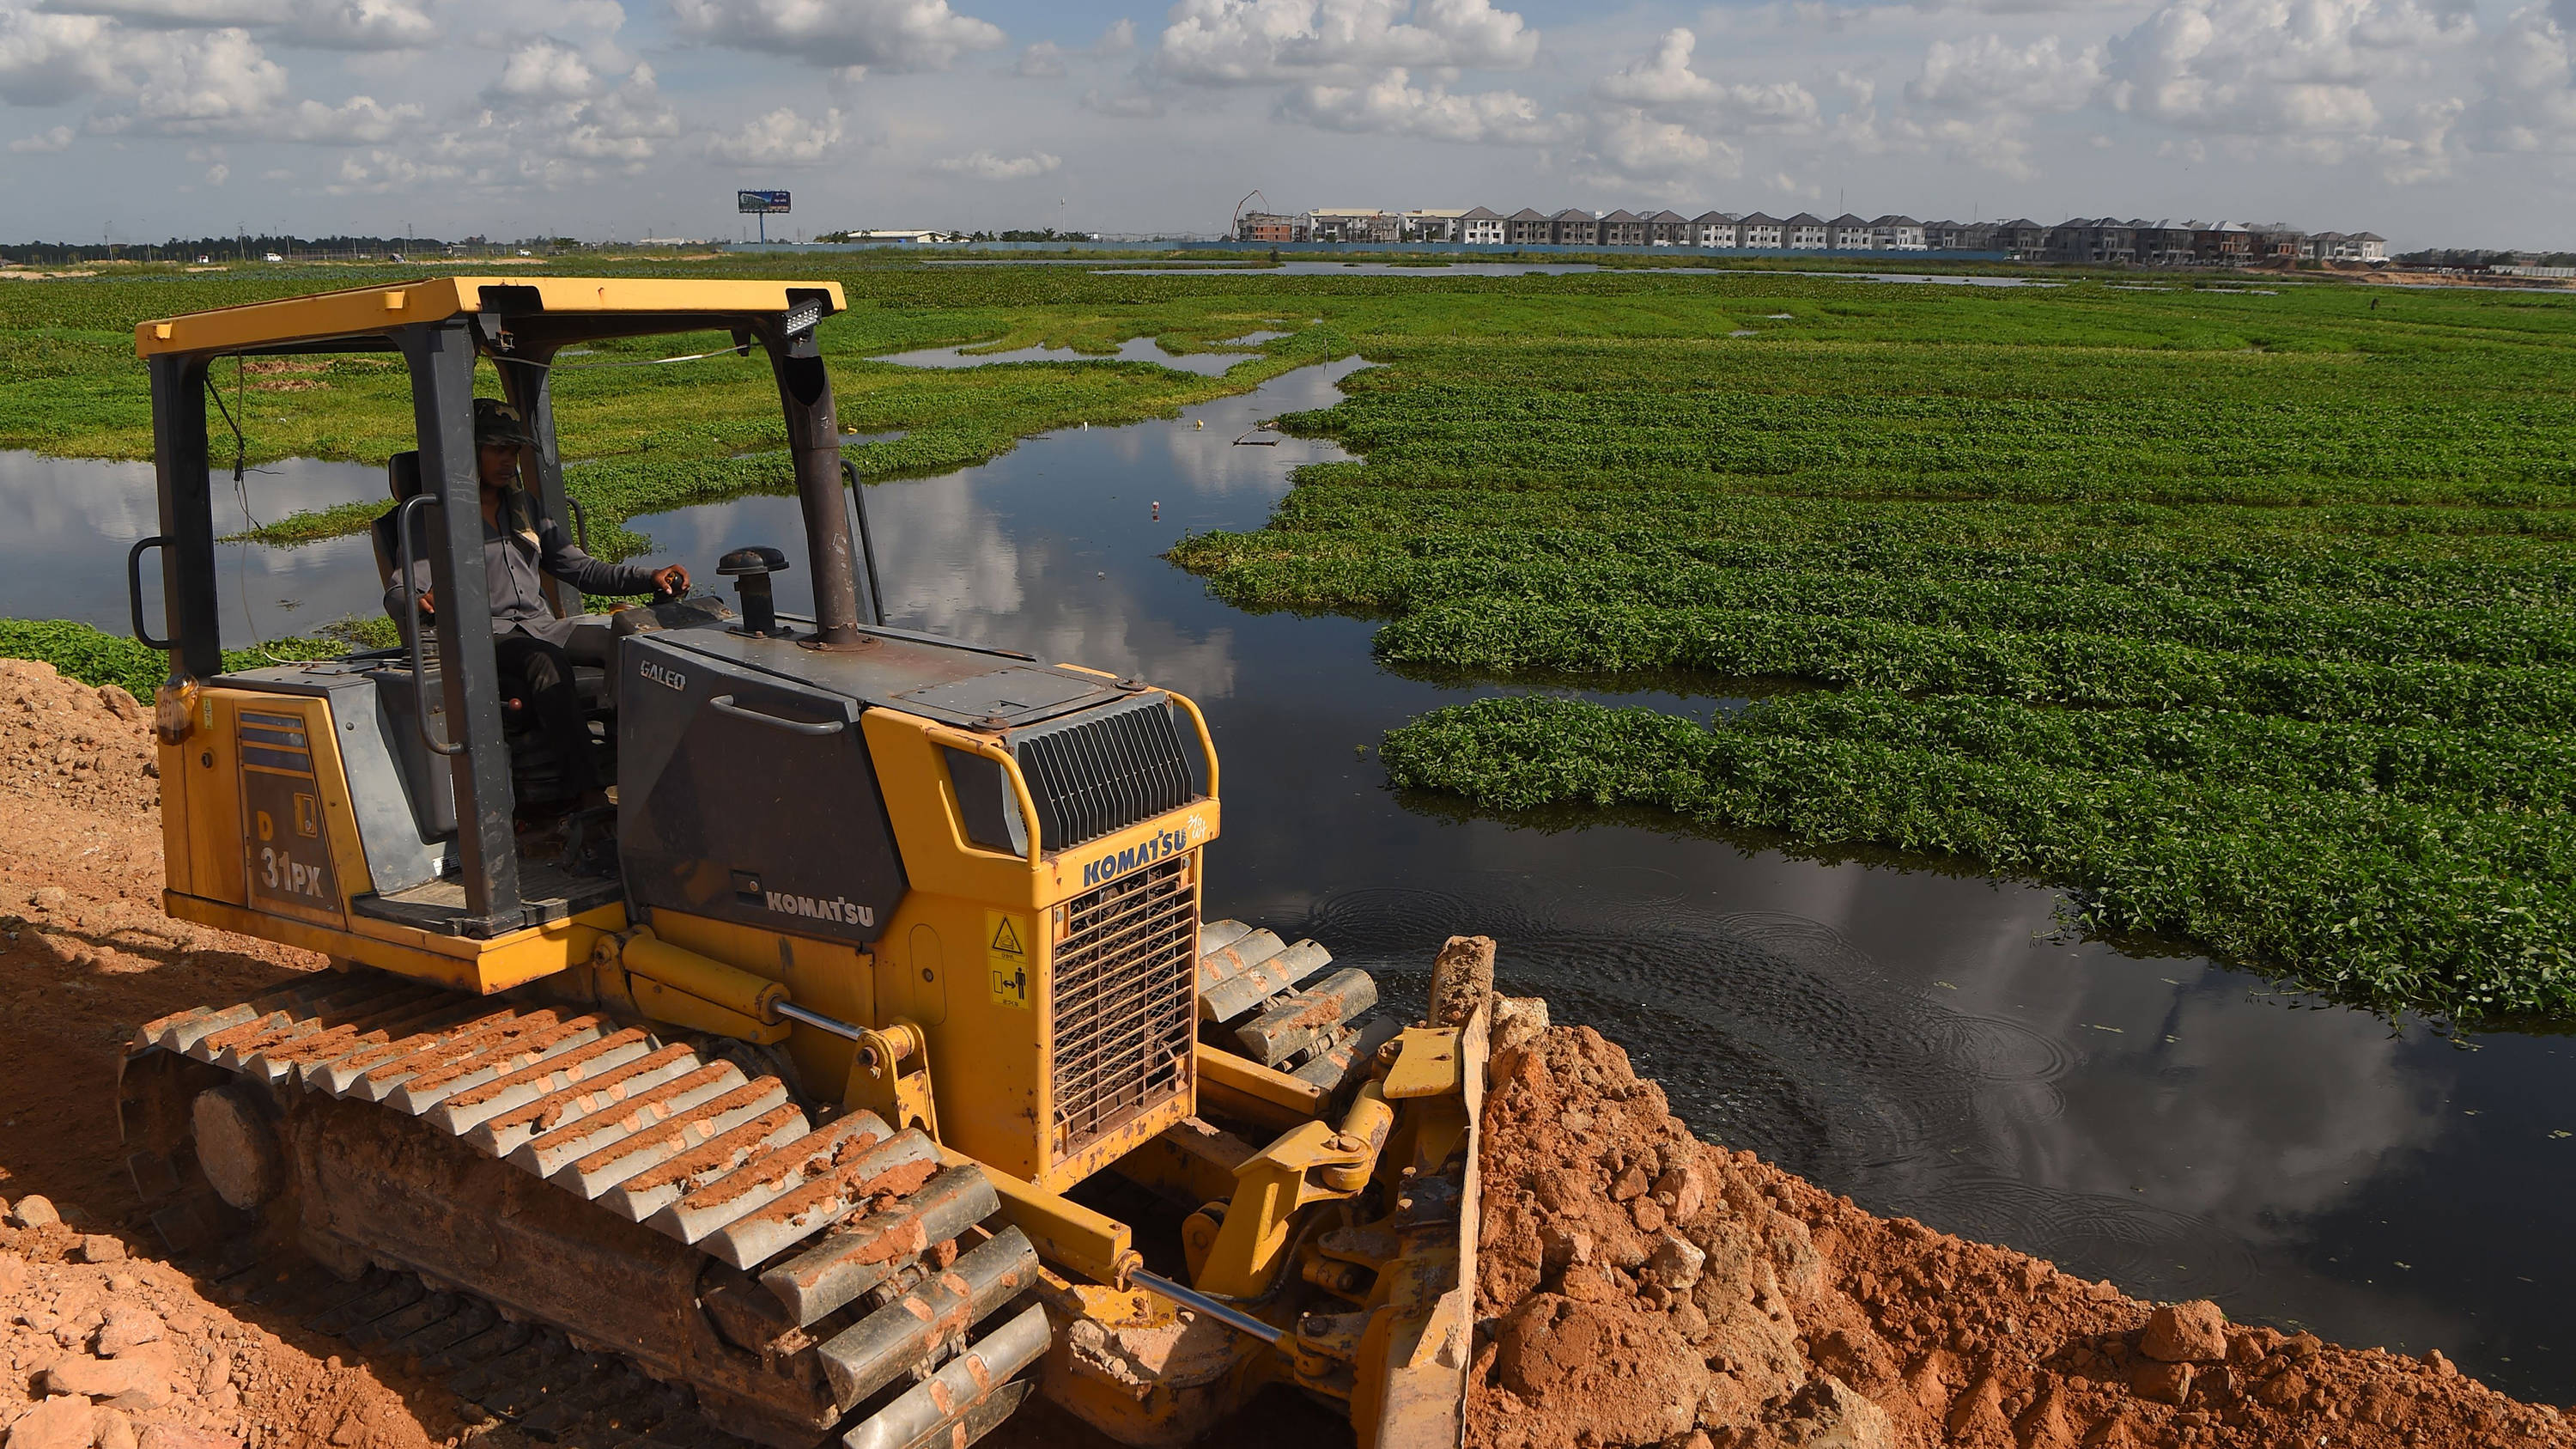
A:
84,745
1638,1286
102,1349
117,1354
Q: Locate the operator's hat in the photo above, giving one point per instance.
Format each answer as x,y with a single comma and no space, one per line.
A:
496,421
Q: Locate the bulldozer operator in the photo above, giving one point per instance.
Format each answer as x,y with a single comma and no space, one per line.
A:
532,647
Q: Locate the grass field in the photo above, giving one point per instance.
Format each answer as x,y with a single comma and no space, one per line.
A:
2246,617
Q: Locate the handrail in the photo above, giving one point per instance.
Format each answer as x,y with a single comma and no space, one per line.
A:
580,522
1207,742
992,750
725,704
867,541
412,651
134,588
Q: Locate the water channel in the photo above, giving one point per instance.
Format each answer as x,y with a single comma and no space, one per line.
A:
1921,1039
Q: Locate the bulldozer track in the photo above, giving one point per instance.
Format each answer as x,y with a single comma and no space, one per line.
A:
603,1218
524,1374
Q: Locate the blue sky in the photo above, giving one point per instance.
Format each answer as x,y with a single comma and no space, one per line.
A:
2447,122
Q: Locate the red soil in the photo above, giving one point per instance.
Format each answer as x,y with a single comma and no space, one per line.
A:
1644,1287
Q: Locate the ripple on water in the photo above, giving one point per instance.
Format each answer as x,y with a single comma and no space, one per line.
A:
2151,1252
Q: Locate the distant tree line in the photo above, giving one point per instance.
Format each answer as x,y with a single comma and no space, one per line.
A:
2472,258
254,246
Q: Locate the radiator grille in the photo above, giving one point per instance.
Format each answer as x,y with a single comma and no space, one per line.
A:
1104,770
1124,999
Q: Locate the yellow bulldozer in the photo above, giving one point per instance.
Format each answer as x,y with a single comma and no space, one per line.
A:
862,1068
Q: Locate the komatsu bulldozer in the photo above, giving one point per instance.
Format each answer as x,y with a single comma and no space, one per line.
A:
863,1067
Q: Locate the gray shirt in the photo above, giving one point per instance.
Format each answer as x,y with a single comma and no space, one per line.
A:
516,562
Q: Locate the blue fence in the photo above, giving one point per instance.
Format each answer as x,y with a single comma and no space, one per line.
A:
1452,249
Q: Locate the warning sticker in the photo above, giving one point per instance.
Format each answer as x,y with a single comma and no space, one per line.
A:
1006,958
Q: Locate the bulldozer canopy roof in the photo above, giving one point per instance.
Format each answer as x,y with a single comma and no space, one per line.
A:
559,309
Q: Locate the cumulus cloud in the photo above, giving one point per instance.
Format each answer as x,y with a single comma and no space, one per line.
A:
1664,85
361,25
1994,143
46,60
624,125
1634,145
544,69
211,82
2529,99
850,35
992,166
57,139
358,121
1990,74
782,138
1048,59
1392,105
1259,42
2275,68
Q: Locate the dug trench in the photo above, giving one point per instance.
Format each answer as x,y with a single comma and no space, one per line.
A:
1636,1286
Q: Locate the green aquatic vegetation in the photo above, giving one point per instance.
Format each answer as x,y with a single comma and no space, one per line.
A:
648,437
94,657
2393,901
2250,620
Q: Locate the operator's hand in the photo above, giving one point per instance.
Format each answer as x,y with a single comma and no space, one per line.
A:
672,580
428,605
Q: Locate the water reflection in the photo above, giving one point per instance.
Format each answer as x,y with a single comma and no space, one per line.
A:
1134,349
65,526
1926,1041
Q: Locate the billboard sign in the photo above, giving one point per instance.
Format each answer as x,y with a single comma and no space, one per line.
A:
761,203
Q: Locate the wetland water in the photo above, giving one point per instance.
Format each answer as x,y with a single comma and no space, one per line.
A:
1920,1040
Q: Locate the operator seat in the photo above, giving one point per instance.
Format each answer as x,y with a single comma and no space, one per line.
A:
535,773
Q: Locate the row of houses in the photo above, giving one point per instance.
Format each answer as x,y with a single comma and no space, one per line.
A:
2106,240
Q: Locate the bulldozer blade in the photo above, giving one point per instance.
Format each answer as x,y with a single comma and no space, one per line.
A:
869,1355
943,1408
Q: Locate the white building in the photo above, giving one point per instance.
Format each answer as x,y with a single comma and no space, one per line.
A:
1896,234
1356,224
1434,224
